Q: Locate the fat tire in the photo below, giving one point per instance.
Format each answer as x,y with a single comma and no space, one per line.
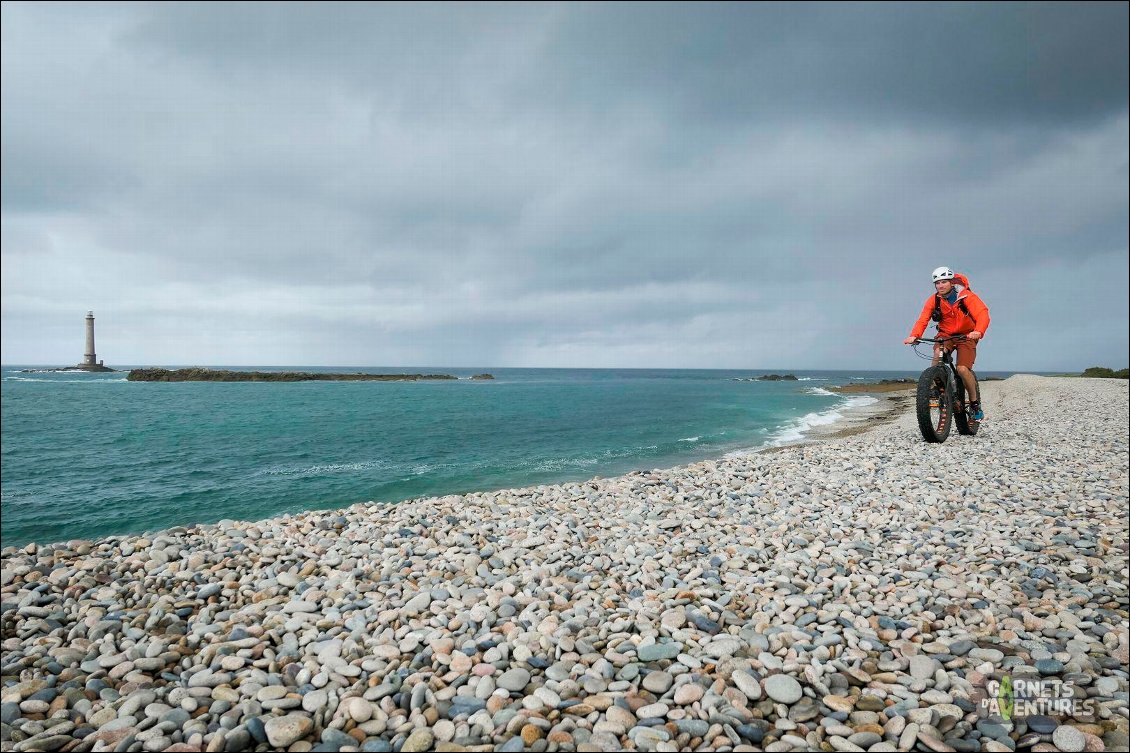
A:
933,385
965,423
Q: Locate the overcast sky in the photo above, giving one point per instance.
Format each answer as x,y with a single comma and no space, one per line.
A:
701,186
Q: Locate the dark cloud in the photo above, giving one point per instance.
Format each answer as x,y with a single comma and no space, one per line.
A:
972,64
620,184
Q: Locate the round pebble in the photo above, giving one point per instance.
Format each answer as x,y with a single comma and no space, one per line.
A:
1069,739
782,688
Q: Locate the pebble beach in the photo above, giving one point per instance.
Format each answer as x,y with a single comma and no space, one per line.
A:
859,592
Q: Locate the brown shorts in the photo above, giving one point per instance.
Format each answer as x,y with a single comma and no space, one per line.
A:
966,351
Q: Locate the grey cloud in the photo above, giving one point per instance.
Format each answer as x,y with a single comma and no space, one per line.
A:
619,184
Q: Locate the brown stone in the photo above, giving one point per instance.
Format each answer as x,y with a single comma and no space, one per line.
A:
839,703
934,743
600,702
635,702
580,709
531,734
1093,743
870,703
112,737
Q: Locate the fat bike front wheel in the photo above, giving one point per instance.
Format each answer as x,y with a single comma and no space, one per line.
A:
934,405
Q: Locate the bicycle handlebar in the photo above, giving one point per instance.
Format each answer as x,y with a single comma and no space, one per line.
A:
940,339
936,341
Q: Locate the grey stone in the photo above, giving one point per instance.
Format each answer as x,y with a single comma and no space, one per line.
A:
514,680
282,731
962,647
657,651
1069,739
693,727
923,667
782,689
9,712
1049,667
658,682
1044,725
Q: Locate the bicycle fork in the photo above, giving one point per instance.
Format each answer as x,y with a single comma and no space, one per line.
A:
949,386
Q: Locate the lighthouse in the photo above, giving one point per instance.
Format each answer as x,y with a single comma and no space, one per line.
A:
89,358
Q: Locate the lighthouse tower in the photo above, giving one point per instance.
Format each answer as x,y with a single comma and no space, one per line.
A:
89,358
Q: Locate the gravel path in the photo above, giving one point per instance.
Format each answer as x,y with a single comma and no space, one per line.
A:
852,594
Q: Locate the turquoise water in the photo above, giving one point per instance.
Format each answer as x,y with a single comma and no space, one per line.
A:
87,455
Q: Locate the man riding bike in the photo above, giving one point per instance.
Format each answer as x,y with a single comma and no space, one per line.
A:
957,312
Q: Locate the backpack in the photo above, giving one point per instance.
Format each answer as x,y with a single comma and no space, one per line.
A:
937,315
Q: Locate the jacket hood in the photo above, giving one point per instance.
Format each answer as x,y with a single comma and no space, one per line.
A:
961,280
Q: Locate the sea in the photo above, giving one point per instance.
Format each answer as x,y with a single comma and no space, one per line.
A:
95,455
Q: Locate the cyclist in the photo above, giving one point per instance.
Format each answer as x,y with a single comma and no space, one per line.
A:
957,312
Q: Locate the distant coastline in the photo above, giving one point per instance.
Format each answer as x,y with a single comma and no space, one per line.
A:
223,375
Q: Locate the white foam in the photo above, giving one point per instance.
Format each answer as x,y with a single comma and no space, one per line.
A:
325,469
558,464
690,439
799,429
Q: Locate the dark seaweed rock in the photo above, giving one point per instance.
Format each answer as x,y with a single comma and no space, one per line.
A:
220,375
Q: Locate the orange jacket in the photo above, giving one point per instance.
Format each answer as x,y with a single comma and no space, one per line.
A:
954,321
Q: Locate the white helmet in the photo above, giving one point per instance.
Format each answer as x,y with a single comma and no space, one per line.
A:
942,273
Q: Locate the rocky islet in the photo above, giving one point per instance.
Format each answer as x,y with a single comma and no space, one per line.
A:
856,594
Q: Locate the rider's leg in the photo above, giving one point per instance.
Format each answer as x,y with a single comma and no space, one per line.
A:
970,385
966,356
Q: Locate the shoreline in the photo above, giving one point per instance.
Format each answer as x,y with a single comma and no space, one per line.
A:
852,421
823,594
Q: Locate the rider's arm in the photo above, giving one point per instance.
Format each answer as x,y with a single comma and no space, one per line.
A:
923,320
978,311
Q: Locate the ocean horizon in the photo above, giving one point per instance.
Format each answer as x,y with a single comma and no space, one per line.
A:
89,455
